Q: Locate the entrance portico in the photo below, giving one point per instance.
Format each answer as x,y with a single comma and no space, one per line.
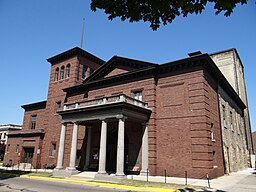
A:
119,110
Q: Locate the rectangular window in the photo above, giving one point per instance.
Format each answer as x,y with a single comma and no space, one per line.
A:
53,150
33,122
212,132
137,95
224,116
58,106
231,121
17,148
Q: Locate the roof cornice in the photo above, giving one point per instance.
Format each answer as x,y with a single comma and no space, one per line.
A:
76,51
37,105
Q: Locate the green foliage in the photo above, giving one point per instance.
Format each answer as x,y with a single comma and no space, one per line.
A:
158,12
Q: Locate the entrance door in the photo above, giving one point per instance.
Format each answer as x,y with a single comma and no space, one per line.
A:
28,154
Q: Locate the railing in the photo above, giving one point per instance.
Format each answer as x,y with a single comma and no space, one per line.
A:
105,101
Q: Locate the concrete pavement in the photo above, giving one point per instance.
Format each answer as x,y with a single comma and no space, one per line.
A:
239,181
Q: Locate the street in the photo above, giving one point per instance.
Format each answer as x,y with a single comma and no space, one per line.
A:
17,184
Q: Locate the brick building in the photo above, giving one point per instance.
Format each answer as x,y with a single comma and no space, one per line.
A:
126,116
4,131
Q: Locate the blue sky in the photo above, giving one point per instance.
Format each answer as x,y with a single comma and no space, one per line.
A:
33,30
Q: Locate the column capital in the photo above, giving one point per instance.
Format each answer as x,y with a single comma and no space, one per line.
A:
121,116
64,123
102,119
76,122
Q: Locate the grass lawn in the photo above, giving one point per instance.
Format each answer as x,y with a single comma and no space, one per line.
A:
159,185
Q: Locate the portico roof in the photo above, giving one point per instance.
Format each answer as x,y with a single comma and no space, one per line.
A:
106,108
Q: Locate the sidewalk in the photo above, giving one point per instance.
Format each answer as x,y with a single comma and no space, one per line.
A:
219,184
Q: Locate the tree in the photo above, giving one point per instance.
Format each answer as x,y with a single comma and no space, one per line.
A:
158,12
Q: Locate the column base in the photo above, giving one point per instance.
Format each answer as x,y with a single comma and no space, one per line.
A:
60,172
144,172
120,174
110,178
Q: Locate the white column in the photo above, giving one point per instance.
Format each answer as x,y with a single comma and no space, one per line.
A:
88,147
103,148
144,149
72,161
61,146
120,148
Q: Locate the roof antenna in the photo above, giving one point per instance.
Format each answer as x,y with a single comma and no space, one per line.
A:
82,38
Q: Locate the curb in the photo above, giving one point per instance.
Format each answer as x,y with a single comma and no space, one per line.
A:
118,186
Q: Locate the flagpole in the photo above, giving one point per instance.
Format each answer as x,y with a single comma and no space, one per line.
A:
82,38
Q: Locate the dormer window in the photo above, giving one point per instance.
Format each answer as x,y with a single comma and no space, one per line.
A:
62,69
84,72
56,76
68,71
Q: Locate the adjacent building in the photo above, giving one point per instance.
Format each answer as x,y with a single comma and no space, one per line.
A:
126,116
4,131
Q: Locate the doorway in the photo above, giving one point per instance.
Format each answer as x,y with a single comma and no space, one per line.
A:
28,154
111,150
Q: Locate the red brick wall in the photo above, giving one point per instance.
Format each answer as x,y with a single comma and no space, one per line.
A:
16,157
52,122
40,113
186,105
116,71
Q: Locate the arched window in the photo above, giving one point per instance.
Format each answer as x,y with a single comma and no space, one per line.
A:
56,76
68,71
62,69
84,72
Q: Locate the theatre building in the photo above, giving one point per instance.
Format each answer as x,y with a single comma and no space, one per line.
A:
126,116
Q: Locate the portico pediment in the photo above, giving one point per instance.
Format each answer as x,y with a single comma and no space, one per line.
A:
116,66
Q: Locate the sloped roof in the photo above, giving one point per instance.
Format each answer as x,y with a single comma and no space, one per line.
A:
74,52
115,61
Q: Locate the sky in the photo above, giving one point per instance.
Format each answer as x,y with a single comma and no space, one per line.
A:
32,31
